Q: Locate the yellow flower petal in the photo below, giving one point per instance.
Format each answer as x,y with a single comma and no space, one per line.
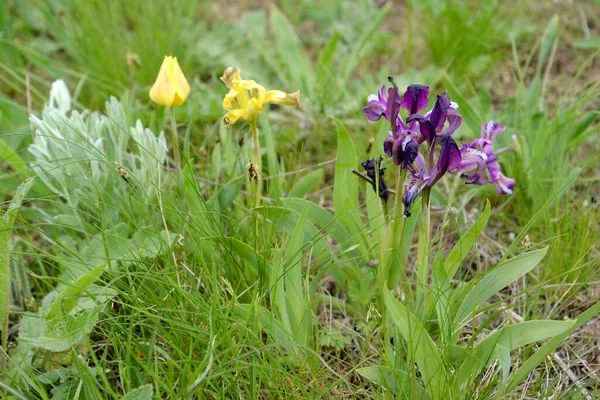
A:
230,75
171,87
283,98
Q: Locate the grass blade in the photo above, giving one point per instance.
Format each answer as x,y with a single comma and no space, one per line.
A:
7,221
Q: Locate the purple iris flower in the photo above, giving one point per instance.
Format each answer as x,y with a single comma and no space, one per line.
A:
479,156
402,144
435,128
422,176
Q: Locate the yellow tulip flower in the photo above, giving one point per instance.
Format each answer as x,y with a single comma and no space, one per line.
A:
171,88
246,99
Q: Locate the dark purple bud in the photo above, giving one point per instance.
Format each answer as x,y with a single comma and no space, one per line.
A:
415,98
371,166
440,111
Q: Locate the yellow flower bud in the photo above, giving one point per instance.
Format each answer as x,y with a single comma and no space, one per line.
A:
171,88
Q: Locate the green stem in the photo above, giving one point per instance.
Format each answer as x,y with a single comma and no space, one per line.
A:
256,160
175,140
395,236
424,243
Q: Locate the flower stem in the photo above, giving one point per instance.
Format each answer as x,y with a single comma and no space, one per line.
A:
424,244
395,235
256,160
175,140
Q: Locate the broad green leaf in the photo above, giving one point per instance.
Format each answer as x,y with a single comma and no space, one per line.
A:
330,224
540,354
144,392
365,40
66,331
375,211
67,298
275,186
466,242
307,183
395,380
421,345
286,219
277,293
396,269
9,156
345,190
548,41
265,319
298,306
442,293
592,43
325,72
503,356
510,337
495,280
292,52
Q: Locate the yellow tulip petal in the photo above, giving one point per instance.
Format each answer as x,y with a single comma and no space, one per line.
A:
171,88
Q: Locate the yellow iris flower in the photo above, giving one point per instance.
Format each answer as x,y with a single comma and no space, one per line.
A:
171,88
246,99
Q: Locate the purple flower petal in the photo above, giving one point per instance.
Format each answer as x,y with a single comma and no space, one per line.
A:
411,150
472,164
454,120
374,111
393,104
504,185
414,187
388,144
449,159
440,112
426,128
415,98
490,130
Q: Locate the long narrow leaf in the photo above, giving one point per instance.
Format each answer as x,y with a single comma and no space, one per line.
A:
466,242
538,357
495,280
421,345
510,337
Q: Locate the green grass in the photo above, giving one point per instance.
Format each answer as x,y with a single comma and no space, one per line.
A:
174,284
